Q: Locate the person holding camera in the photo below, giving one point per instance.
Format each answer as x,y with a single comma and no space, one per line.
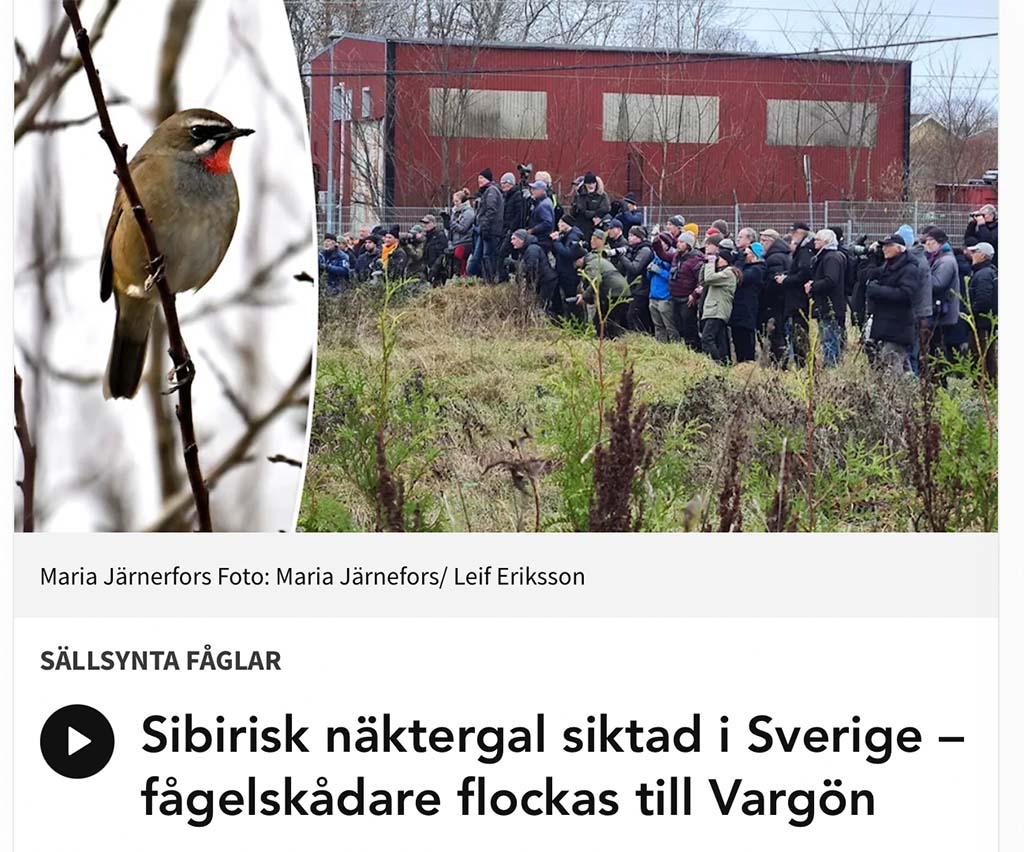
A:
606,287
435,247
683,283
719,280
566,243
984,227
633,265
537,271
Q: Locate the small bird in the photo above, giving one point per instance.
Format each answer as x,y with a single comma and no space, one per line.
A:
183,175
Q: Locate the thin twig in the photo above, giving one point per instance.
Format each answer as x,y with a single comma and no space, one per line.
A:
239,454
183,367
56,125
55,84
27,483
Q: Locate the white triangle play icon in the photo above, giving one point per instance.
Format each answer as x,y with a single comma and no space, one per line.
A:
76,741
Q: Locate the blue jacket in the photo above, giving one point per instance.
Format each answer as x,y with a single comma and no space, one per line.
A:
542,222
336,264
629,219
658,273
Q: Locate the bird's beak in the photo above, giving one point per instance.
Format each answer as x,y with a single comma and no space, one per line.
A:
234,133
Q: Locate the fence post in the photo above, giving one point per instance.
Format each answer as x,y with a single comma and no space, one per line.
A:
827,221
736,218
917,214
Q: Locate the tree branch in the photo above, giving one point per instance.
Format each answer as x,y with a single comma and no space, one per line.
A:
27,483
55,84
184,370
238,454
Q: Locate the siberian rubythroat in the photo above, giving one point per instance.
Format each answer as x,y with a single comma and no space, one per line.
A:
183,175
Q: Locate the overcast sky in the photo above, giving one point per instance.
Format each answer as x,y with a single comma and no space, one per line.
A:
947,18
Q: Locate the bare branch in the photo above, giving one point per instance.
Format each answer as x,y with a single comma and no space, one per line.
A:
183,367
57,125
27,483
55,84
292,397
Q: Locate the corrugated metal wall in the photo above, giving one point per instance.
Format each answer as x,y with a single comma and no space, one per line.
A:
748,151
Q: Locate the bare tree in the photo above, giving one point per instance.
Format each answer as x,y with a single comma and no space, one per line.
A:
872,29
958,147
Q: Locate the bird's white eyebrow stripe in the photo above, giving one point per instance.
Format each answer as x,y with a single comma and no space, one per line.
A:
208,122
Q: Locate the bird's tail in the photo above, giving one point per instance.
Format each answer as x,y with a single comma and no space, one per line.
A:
128,349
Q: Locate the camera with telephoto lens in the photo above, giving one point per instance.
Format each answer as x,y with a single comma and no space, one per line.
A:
525,170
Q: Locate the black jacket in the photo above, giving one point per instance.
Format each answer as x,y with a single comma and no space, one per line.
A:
890,300
776,262
434,248
398,264
984,292
633,264
565,266
536,268
490,211
987,233
801,270
747,301
587,205
828,286
514,211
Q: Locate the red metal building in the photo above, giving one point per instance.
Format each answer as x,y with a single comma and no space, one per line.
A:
403,122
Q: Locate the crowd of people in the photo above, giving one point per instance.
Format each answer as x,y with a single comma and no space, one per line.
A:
907,294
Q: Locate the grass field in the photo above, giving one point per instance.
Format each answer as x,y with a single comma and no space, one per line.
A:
463,409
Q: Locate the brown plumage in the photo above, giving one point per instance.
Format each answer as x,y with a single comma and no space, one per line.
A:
184,179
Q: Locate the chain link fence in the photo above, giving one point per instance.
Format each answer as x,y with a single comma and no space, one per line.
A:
857,218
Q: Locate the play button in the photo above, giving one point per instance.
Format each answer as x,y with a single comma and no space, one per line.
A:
77,741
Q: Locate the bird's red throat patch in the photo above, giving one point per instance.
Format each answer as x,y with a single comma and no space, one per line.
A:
219,162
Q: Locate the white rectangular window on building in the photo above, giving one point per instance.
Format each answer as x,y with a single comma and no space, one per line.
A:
839,124
488,114
367,106
341,107
631,117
